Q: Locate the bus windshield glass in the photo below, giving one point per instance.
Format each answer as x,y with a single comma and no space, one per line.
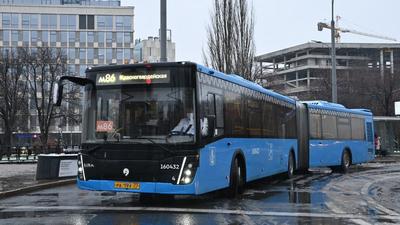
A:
141,113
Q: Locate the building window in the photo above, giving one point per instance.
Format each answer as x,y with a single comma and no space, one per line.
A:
25,38
14,36
6,36
127,38
71,37
119,22
34,21
14,21
90,54
63,21
82,38
90,38
108,55
64,38
104,23
101,55
71,55
53,38
45,36
120,39
6,20
82,54
120,54
49,21
86,22
25,21
72,22
34,37
128,23
127,55
109,39
100,39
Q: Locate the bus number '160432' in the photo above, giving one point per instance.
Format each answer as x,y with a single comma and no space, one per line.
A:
169,166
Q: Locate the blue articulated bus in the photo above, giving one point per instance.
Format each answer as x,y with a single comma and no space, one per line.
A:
182,128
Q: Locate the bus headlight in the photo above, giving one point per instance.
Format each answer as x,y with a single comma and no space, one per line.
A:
187,180
188,172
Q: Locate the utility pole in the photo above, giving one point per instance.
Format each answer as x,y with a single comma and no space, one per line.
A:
333,55
163,30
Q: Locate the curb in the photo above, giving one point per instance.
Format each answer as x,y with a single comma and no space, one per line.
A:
36,187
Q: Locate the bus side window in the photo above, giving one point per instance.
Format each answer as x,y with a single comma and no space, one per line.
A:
219,105
215,107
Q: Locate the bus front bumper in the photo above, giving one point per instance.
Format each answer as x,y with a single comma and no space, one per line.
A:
144,187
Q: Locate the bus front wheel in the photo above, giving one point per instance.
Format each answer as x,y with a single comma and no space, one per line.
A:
236,184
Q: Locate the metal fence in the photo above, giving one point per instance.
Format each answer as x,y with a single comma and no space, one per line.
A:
29,153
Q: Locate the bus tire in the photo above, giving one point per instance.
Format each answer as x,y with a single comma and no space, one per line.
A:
344,164
236,183
291,166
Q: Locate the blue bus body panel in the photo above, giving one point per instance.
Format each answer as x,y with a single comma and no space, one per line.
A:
329,152
263,157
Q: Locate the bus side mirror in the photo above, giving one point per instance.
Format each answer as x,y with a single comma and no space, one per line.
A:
211,125
57,94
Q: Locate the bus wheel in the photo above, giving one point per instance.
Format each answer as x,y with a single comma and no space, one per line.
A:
345,163
236,186
291,165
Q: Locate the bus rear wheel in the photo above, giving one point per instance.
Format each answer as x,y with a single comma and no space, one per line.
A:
236,184
291,165
345,163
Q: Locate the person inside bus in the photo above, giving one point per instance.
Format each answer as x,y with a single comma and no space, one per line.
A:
185,125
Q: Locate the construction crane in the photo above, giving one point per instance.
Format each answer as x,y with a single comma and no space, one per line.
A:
321,26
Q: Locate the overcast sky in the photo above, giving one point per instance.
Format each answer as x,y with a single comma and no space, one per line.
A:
278,23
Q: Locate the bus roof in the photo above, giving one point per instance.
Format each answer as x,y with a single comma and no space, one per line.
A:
243,82
318,104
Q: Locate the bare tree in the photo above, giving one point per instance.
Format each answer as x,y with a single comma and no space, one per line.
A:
230,38
362,88
42,69
13,97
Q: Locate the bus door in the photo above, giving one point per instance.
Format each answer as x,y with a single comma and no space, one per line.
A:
302,136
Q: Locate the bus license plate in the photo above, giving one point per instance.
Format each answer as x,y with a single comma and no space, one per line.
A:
127,185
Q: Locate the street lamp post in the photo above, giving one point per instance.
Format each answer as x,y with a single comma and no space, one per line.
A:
163,30
333,55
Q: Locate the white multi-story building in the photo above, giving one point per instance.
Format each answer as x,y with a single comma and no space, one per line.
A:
90,33
149,50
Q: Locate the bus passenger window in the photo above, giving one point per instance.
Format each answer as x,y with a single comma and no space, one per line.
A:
329,129
315,126
219,104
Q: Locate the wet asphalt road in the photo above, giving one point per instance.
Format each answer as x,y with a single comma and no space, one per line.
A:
369,194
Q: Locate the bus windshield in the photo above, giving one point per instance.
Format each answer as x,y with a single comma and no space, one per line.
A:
141,114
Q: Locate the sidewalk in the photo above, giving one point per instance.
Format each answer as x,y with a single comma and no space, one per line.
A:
20,178
387,159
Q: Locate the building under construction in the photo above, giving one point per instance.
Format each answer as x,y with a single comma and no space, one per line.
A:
299,70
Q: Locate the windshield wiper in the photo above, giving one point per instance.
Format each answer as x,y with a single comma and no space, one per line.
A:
157,144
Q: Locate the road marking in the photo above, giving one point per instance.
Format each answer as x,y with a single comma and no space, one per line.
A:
194,210
370,200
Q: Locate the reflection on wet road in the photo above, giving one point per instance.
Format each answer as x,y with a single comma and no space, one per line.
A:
317,198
